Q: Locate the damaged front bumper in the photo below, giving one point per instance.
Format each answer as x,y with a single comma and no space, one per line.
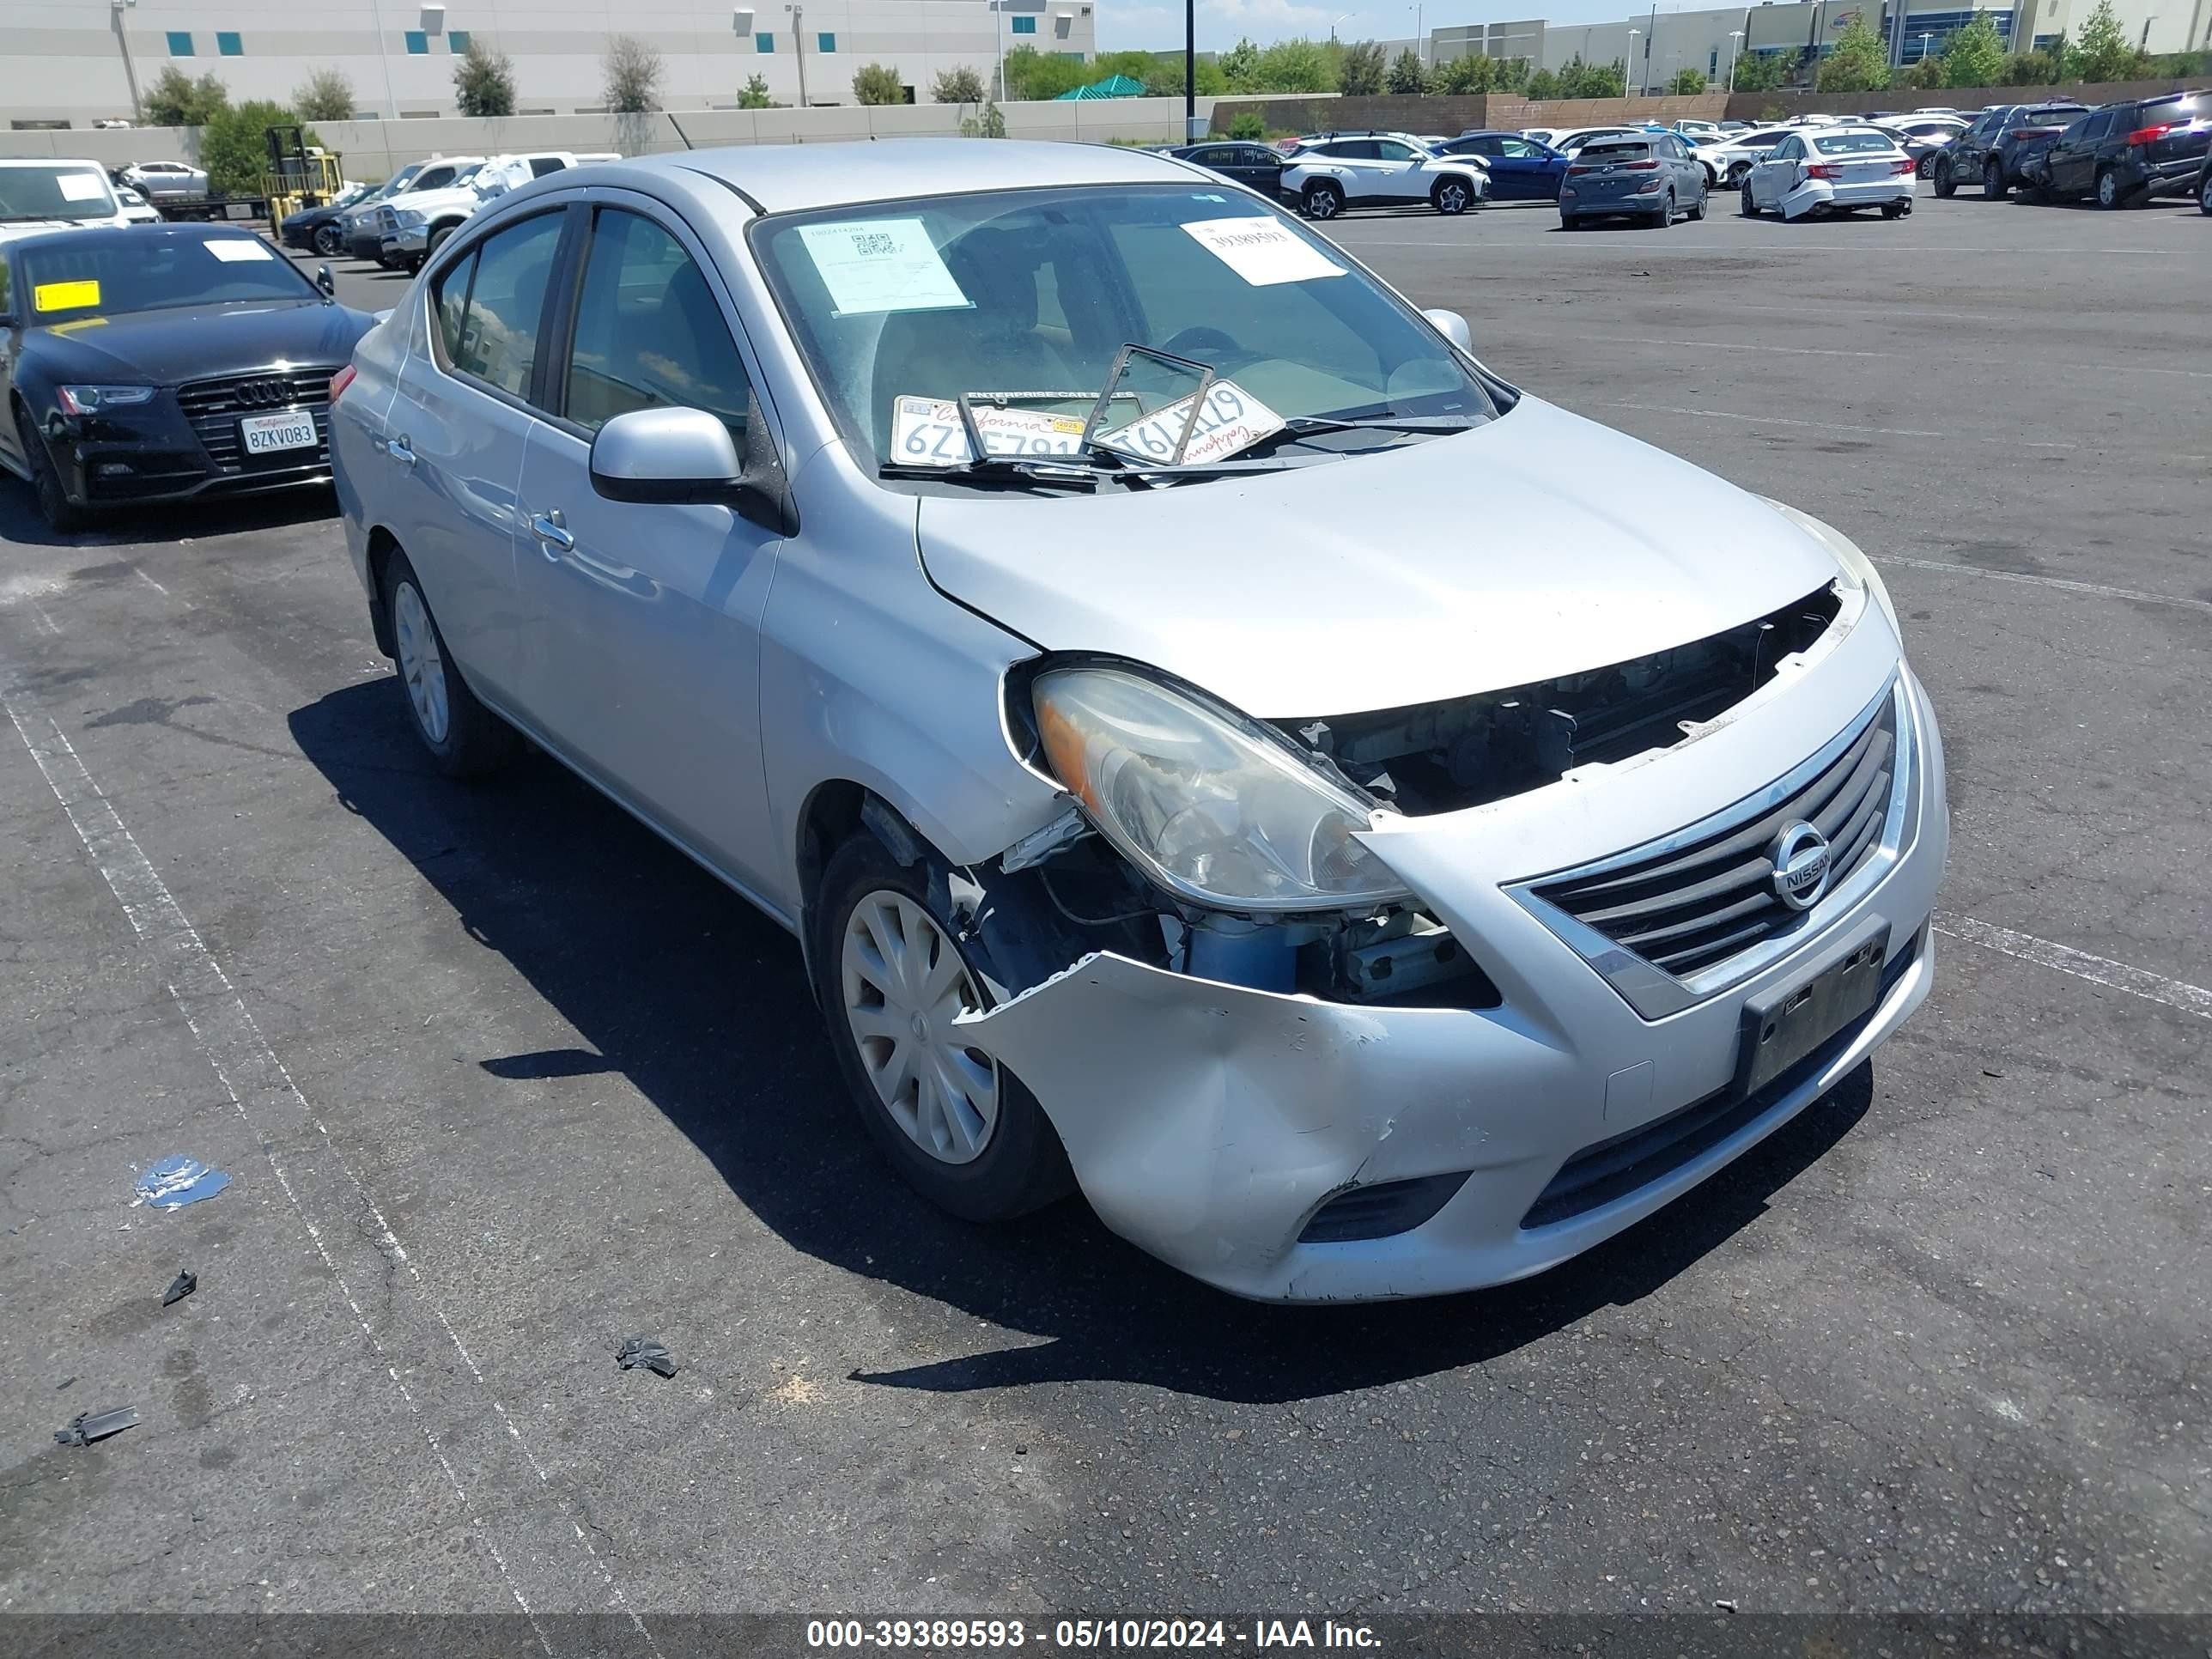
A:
1287,1147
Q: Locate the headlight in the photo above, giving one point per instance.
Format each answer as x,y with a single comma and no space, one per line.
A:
407,219
1211,808
1856,566
93,399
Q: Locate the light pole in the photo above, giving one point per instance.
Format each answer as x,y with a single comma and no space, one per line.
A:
1736,37
130,69
1624,68
383,58
1420,38
1190,71
798,44
1334,21
1924,39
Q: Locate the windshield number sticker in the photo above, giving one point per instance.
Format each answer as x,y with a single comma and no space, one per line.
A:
81,186
234,249
66,296
1262,251
926,432
875,265
1233,419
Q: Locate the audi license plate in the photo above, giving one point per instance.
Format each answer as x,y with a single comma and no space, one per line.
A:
1781,1029
265,435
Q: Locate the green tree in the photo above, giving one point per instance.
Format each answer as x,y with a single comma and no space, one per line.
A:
1859,61
755,96
630,69
483,81
877,83
2046,66
1032,75
1465,76
1406,77
1686,82
960,85
1581,79
1137,65
989,122
1238,64
1975,56
1926,75
1248,124
326,95
1541,84
1294,66
2104,51
1760,71
234,145
1360,69
1165,78
175,100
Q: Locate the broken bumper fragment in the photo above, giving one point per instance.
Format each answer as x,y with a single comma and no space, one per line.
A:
1287,1147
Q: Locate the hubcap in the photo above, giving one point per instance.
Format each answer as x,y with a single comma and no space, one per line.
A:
420,663
1455,198
1324,204
904,984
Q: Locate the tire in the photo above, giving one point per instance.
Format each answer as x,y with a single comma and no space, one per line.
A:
2204,193
1926,169
1451,196
1739,173
1945,183
1664,219
2110,196
1749,208
1569,222
1321,200
976,1167
466,740
1895,210
1994,187
438,240
63,515
328,242
1697,208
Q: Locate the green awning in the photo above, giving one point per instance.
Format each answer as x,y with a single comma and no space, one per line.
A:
1114,86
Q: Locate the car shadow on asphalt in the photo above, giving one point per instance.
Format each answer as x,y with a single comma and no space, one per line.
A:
168,522
700,1002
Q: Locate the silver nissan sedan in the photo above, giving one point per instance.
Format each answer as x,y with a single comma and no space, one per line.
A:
1219,746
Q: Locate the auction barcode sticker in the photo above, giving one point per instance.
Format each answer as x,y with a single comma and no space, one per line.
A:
926,432
1262,251
875,265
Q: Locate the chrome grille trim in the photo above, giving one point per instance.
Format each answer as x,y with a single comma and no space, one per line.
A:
1654,992
213,407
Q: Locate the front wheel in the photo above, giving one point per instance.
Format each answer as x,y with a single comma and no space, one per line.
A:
1451,196
63,515
892,978
1993,179
2109,193
2204,193
466,740
1749,207
328,242
1321,200
1945,183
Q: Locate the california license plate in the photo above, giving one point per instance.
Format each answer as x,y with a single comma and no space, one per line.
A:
265,435
1784,1027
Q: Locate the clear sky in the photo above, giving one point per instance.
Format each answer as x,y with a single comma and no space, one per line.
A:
1146,24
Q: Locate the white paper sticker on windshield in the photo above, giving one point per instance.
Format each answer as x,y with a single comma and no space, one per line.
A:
926,432
1233,419
81,186
872,265
1261,251
236,250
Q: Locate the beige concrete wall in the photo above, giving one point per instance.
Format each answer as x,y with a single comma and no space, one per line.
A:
1761,106
375,150
1453,115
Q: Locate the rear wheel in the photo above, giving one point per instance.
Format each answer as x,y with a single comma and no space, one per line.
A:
1698,207
1451,196
1993,179
1321,200
892,977
1895,210
1926,169
466,740
61,513
1665,218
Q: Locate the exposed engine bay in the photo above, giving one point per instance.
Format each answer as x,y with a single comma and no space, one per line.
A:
1065,891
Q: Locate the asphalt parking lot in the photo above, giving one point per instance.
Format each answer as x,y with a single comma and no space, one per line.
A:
503,1081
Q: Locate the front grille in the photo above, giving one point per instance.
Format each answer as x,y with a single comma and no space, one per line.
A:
213,408
1614,1169
1689,907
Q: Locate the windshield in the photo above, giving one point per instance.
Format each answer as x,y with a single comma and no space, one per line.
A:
1036,293
120,272
64,191
1855,143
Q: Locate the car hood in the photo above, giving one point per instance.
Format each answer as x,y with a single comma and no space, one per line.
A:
1540,545
170,347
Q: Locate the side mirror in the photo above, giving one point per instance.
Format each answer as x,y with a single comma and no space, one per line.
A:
679,455
325,281
1453,327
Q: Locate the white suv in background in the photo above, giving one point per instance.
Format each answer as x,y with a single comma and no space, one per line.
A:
420,223
1340,170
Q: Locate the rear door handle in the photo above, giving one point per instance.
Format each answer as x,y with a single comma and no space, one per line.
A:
400,450
553,538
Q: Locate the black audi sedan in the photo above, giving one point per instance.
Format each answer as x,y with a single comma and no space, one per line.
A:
162,362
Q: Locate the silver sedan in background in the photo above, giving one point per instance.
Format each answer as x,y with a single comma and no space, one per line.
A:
1215,744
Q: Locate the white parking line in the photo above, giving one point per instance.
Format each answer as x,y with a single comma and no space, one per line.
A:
2097,590
247,1066
2098,970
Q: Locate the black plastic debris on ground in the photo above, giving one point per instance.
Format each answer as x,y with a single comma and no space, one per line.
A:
645,1350
87,1426
181,1286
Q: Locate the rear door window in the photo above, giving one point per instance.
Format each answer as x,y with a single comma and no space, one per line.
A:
650,333
495,337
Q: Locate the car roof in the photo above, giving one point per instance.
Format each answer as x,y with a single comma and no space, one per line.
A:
791,178
104,235
51,161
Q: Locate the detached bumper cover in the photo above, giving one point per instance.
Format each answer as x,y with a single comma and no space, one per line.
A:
1209,1122
1820,193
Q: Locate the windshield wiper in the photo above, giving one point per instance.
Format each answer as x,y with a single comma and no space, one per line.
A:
1073,474
1299,425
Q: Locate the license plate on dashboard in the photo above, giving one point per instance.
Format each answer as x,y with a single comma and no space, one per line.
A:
1784,1027
266,435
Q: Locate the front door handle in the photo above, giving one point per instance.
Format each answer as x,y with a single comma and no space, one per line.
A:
401,450
553,537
